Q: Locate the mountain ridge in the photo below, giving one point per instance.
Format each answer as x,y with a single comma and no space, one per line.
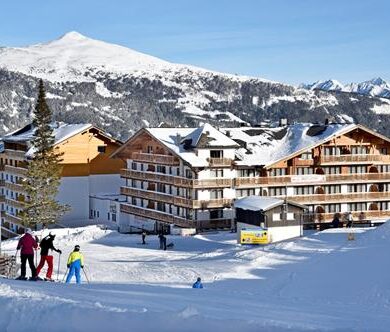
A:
121,90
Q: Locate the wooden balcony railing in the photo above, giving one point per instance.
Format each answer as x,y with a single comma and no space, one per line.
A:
355,158
220,162
7,233
156,215
155,158
15,170
328,217
2,199
303,162
14,186
176,180
338,198
310,179
179,201
15,203
13,219
15,154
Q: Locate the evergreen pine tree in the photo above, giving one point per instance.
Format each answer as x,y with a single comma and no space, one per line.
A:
44,170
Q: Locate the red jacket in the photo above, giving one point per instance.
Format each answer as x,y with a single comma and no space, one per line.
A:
27,244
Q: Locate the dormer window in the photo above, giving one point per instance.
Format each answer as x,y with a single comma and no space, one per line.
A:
216,154
101,148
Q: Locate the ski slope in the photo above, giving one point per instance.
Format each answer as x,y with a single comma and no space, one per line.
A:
319,282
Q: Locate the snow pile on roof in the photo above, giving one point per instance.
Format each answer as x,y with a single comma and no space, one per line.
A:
182,141
265,146
257,203
61,132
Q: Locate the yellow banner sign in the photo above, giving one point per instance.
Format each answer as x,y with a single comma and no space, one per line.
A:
254,236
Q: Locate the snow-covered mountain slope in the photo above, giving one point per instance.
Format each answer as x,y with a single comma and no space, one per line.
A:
121,90
377,87
320,282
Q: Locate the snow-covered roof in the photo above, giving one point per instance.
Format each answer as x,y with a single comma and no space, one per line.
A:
265,146
183,141
260,203
61,131
257,203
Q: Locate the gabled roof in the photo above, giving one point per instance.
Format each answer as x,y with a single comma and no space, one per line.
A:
261,203
61,131
183,142
266,146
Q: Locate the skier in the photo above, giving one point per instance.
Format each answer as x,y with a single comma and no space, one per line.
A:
143,237
27,244
198,283
335,221
163,241
75,262
350,220
46,245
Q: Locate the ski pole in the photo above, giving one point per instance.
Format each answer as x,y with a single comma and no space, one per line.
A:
63,278
86,277
58,268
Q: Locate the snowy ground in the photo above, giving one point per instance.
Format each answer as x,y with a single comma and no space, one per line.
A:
319,282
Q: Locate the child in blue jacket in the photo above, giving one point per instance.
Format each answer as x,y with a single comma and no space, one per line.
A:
75,263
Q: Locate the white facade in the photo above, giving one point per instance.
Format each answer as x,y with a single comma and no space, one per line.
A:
105,209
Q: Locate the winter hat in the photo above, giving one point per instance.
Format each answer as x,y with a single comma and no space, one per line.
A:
198,279
28,231
76,247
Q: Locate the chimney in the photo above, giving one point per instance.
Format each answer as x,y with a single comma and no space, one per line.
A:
228,134
178,139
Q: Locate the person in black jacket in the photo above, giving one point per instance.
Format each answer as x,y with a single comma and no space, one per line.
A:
46,246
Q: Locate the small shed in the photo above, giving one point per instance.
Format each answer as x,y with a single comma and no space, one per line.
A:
282,219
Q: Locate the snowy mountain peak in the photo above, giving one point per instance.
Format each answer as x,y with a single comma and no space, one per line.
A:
377,87
74,57
73,36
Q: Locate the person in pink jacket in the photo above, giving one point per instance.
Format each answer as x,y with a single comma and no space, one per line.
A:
27,244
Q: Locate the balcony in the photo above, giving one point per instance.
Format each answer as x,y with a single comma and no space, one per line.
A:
15,154
13,219
15,203
248,182
355,159
14,186
212,203
176,180
15,170
7,233
339,198
220,162
155,158
156,177
2,199
156,215
328,217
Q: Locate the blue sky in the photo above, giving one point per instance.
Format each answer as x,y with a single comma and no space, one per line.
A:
291,41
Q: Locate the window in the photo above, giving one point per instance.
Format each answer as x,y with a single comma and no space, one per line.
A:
161,206
149,149
384,168
304,171
332,151
161,187
277,191
333,189
357,188
216,173
216,214
161,169
215,194
304,190
306,155
134,166
188,174
101,148
332,208
113,216
216,153
359,150
91,214
383,150
245,192
332,170
108,216
98,214
277,172
357,206
246,172
357,169
133,201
